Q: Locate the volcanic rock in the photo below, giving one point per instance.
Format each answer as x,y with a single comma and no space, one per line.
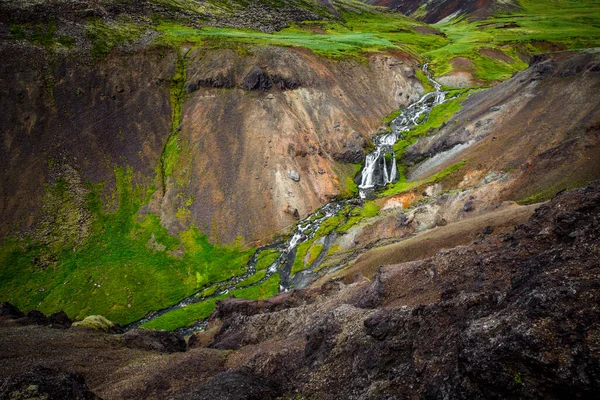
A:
160,341
46,383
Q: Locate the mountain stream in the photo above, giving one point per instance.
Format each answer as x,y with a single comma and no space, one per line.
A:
379,170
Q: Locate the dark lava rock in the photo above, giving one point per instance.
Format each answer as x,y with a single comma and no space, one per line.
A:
160,341
321,339
515,317
236,385
8,310
60,320
286,83
218,82
47,384
352,149
468,206
257,79
34,317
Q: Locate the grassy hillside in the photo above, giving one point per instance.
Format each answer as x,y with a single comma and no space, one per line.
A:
541,26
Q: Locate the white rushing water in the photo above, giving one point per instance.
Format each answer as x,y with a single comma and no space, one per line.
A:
380,164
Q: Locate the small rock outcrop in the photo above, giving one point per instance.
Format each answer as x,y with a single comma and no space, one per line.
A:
257,79
60,320
46,384
160,341
34,317
294,175
7,310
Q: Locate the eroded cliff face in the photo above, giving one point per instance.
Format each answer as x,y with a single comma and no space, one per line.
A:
251,122
64,120
246,126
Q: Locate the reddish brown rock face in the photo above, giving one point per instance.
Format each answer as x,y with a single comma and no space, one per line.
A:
250,120
247,121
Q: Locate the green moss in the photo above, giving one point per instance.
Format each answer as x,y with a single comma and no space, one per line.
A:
268,288
355,34
189,315
120,271
346,174
209,291
314,252
259,275
424,81
391,116
173,147
96,323
105,37
266,259
369,209
185,316
403,186
301,251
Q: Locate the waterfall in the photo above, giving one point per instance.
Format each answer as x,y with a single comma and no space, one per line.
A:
378,171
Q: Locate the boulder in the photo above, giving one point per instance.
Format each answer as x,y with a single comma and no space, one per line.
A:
60,320
160,341
257,79
10,311
294,175
46,383
96,323
34,317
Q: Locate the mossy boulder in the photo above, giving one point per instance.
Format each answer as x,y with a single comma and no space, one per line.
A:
97,323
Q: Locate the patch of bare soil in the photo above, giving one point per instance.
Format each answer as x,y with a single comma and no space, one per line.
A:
462,64
496,55
425,30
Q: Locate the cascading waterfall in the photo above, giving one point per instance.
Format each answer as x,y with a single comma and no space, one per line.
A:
379,170
380,164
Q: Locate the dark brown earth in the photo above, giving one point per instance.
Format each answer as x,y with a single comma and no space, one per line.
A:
437,10
512,316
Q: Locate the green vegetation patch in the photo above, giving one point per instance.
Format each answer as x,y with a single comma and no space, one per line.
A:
369,30
189,315
403,185
266,259
301,252
123,270
105,37
257,277
346,174
496,45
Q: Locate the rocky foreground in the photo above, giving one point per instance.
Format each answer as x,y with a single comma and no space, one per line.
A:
514,315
